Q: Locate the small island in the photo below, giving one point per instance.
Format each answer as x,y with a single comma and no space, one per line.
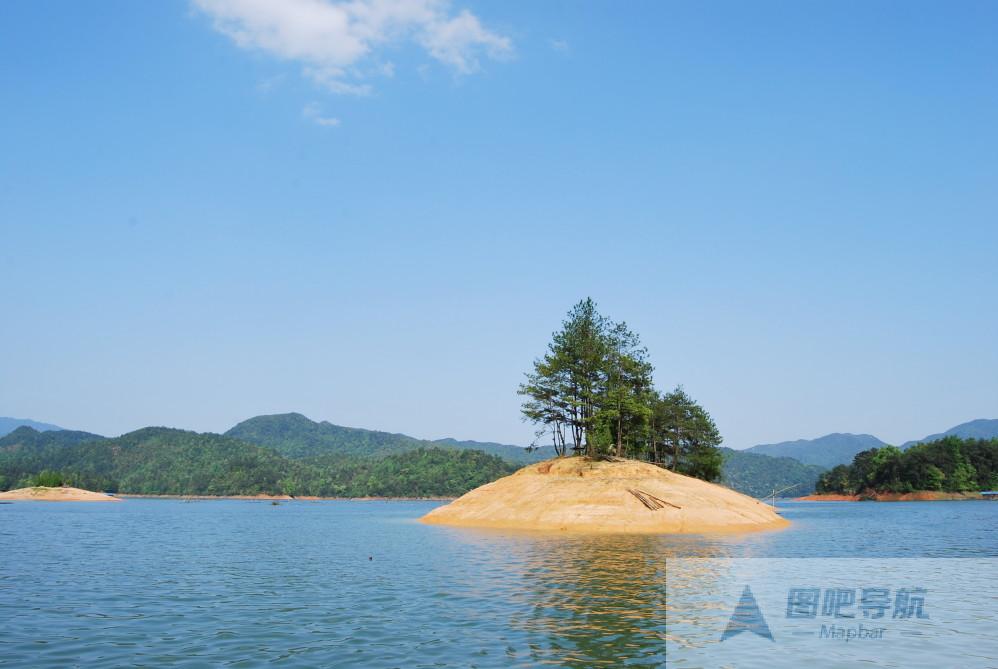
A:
607,496
56,494
630,458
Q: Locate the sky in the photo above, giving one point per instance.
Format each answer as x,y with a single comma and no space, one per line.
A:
377,212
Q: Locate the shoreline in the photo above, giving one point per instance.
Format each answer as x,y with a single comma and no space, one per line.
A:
282,498
916,496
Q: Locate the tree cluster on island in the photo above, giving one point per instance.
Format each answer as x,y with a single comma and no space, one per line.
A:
592,394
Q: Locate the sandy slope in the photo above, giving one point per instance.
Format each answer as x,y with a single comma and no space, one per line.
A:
577,494
42,494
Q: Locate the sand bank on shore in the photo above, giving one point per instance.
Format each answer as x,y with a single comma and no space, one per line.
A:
576,494
43,494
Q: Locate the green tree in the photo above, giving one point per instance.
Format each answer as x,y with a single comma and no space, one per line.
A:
626,397
934,478
49,479
564,389
685,433
964,476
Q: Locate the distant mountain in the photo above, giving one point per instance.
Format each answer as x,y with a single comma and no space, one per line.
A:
296,436
8,425
827,451
759,475
29,439
981,428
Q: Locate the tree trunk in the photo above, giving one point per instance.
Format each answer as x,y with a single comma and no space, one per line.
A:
675,452
620,434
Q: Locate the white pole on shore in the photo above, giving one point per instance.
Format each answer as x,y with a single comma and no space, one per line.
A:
777,492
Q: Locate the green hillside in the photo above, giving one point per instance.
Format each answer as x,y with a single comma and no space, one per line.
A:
759,475
296,436
29,439
166,461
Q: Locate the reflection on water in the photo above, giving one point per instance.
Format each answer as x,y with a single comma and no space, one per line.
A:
361,584
587,601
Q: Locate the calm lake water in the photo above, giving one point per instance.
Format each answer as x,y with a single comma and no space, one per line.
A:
361,584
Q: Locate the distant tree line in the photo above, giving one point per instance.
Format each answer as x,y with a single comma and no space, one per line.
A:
950,464
592,394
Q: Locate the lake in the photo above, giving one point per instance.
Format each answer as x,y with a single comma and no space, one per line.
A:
361,584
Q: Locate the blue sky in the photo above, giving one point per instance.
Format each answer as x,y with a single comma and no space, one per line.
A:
377,216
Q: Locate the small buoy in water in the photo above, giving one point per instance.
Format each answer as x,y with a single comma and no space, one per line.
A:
370,557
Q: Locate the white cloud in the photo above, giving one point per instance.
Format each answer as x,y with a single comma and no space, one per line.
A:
336,40
313,113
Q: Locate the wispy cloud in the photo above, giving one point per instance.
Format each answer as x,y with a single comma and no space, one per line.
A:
559,45
337,41
270,84
313,113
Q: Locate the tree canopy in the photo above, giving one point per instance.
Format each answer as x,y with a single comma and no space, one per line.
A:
592,393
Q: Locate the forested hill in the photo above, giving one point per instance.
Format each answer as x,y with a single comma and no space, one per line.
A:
759,475
949,464
168,461
29,439
296,436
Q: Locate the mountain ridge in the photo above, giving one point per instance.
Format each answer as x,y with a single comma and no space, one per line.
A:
825,451
296,436
8,425
979,428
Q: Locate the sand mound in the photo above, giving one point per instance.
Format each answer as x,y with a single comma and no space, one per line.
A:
619,496
43,494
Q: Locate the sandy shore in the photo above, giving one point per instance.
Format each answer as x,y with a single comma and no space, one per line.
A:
623,496
917,496
288,498
43,494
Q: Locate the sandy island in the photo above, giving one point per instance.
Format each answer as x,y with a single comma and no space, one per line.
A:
43,494
577,494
